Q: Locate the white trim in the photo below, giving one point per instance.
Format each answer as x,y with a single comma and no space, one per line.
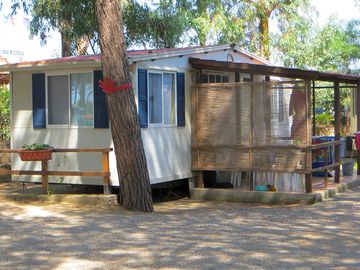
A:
95,64
41,67
251,55
163,68
164,179
196,50
186,51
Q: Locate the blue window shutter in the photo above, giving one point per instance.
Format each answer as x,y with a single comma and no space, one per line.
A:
101,118
38,100
143,98
180,87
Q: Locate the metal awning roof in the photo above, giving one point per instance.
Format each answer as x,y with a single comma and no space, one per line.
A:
293,73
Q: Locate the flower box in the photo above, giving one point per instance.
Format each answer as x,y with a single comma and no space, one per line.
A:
35,155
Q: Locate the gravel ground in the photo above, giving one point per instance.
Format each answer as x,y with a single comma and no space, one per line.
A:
182,234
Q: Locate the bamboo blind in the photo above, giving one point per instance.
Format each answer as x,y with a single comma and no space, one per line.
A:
251,126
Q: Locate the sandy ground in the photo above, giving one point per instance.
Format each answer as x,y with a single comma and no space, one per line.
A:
182,234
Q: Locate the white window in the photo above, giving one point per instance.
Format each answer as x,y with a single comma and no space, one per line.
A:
278,102
70,100
162,98
214,78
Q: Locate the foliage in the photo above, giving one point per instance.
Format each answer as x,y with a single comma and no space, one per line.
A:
214,21
159,25
324,119
36,146
171,23
293,48
257,17
325,100
75,21
334,47
4,114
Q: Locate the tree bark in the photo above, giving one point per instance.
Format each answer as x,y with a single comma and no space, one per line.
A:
65,46
264,37
135,190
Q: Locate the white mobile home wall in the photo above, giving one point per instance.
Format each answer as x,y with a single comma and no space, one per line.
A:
168,149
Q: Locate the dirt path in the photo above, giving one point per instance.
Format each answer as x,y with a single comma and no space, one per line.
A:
182,235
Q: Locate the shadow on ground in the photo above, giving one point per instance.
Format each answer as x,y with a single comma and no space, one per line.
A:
182,234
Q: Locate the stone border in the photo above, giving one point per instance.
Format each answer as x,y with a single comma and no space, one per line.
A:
331,192
285,198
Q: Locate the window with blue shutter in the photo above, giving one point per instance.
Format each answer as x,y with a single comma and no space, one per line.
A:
180,85
39,100
101,118
160,102
143,98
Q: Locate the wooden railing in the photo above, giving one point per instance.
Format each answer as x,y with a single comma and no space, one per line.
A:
325,148
105,173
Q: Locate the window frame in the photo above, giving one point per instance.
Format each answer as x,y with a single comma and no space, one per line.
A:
278,102
209,73
162,124
68,74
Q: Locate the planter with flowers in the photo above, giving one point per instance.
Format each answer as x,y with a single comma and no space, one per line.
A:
35,152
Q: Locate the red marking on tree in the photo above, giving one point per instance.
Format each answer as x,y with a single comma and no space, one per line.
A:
109,86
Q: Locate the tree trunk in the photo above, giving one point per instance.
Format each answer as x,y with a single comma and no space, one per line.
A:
135,190
264,37
65,45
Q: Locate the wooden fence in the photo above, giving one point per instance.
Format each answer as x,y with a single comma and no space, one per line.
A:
253,126
105,173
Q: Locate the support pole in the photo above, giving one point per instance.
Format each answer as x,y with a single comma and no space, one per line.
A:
199,179
308,176
45,177
326,170
313,110
357,111
267,110
308,183
106,168
337,130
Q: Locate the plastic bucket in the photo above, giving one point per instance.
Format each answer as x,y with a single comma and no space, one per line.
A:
348,168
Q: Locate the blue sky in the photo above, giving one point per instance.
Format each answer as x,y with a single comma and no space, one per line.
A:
18,46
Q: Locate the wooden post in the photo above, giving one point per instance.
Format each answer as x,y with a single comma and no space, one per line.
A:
326,170
308,176
313,110
106,168
199,179
238,114
337,130
308,183
357,110
267,110
45,177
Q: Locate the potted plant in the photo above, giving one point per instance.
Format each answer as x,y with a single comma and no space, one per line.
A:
35,151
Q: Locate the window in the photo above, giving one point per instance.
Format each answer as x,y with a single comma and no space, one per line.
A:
214,78
58,100
70,100
278,102
162,98
82,99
